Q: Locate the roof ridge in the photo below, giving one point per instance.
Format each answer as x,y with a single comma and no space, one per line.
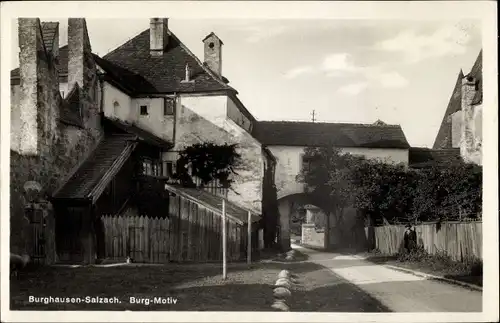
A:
125,43
331,123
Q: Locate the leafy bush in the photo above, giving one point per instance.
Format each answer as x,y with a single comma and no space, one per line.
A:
391,192
207,161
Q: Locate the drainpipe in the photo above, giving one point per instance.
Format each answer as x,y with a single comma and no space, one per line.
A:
175,118
100,78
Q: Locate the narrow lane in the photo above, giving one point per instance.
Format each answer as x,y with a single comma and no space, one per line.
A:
400,292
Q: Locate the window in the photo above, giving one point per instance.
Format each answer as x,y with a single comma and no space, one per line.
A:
144,110
62,94
168,107
169,168
147,167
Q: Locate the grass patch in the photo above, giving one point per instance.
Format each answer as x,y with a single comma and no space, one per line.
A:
197,287
470,270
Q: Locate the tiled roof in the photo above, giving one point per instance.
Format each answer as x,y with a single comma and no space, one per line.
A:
163,74
61,64
129,128
443,138
477,73
422,157
49,31
213,202
316,134
98,169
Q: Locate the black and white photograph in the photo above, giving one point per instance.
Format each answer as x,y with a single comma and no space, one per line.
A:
249,161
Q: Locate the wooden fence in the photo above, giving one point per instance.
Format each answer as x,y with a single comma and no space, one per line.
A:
459,240
190,233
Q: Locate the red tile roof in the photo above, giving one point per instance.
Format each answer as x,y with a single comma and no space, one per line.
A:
318,134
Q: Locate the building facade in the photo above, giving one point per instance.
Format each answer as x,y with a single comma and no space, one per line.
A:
461,127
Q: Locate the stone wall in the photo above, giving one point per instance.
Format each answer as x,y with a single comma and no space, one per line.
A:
312,236
471,115
191,128
47,151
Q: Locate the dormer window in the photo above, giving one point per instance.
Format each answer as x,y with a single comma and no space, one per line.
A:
187,76
144,110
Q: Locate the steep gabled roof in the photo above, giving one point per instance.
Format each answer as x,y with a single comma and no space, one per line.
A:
165,73
443,138
49,32
316,134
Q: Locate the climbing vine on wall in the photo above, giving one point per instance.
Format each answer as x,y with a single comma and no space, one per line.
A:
208,162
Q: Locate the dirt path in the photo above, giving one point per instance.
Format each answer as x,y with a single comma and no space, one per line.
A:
399,292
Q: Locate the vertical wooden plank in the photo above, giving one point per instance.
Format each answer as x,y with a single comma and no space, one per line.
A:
224,241
209,235
249,238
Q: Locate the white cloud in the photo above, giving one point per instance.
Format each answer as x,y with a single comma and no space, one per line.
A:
354,88
386,79
392,80
335,64
259,33
447,40
299,71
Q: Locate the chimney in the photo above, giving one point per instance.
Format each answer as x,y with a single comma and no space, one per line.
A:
158,36
31,47
82,72
213,53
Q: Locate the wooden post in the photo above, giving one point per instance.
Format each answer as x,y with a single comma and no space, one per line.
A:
249,238
224,240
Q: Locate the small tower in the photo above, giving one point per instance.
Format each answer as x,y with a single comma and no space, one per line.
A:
213,53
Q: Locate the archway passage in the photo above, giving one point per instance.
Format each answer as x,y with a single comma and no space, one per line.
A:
301,219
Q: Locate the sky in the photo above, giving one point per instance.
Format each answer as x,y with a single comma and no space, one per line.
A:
355,71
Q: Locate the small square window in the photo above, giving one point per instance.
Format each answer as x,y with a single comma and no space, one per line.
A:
168,107
144,110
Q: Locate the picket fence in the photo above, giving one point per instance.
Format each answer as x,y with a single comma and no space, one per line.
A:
459,240
190,233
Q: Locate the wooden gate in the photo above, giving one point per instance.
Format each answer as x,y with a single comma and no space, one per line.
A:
69,225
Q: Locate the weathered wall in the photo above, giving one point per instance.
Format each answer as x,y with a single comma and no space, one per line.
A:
471,140
15,117
117,104
191,128
237,116
155,122
289,163
287,169
48,150
311,236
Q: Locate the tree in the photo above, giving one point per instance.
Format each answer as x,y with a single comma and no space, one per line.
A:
208,162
